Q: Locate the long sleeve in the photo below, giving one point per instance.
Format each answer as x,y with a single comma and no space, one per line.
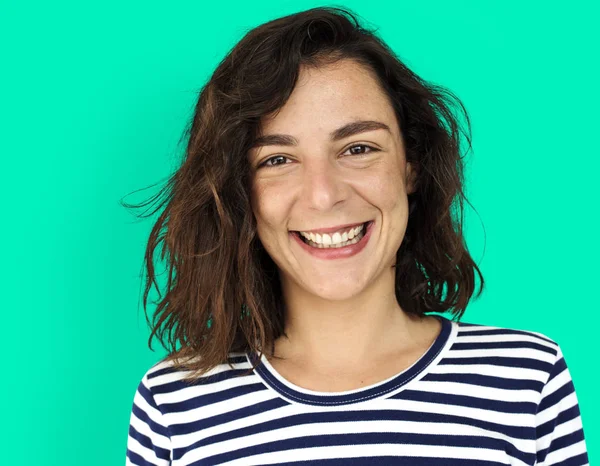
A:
148,442
559,429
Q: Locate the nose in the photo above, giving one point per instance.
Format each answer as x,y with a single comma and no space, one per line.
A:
323,185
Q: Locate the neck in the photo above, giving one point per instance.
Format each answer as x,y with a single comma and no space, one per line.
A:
324,333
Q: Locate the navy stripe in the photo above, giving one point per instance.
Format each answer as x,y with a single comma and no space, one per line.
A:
510,362
501,345
216,397
394,460
504,331
500,406
207,379
486,381
138,460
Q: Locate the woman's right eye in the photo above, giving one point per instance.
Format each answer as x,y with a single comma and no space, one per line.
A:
274,161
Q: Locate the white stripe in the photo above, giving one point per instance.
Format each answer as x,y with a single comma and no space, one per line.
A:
526,353
479,391
501,338
220,407
473,328
162,364
502,372
487,415
179,375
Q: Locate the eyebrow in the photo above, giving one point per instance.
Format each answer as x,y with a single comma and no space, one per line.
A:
345,131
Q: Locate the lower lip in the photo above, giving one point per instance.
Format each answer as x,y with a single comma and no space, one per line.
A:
336,253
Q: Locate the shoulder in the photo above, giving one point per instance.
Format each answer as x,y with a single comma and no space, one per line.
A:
167,383
524,352
483,332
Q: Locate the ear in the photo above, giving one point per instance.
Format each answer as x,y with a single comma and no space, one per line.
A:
411,177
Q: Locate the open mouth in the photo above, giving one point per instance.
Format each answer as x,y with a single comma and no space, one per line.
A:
336,240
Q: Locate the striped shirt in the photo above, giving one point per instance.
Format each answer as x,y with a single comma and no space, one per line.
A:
480,395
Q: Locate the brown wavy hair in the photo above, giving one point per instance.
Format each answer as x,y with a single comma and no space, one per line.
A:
223,293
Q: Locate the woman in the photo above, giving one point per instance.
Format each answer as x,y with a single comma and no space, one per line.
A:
310,232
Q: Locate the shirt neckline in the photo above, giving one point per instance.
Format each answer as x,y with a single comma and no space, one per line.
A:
388,387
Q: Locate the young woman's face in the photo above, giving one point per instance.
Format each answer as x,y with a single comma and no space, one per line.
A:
322,177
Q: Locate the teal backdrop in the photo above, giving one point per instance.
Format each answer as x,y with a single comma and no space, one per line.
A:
94,99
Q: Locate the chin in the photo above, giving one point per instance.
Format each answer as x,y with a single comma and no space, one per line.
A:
337,292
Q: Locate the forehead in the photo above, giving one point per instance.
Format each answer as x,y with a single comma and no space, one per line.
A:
328,97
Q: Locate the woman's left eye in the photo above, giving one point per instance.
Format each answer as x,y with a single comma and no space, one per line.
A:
372,149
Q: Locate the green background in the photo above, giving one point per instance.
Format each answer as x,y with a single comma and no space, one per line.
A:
94,100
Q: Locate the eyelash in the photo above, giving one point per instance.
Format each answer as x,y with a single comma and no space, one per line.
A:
264,164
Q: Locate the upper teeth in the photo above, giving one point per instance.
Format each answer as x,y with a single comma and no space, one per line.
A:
336,238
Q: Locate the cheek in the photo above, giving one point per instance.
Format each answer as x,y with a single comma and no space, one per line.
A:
384,189
268,210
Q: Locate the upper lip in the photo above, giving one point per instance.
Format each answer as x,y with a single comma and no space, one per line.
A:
333,229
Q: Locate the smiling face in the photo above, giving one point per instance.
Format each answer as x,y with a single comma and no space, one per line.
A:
331,159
